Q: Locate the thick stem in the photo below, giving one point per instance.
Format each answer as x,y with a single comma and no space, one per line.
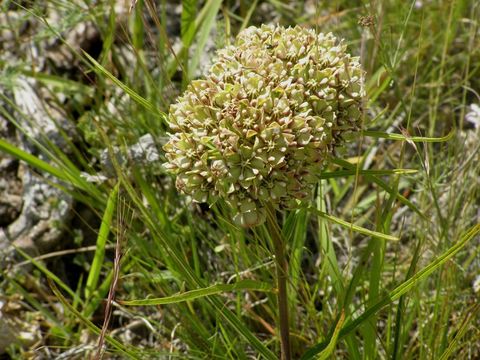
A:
282,277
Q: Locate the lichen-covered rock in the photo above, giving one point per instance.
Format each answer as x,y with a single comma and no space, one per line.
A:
45,208
260,126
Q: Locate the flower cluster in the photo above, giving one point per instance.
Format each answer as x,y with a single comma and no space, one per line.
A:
260,126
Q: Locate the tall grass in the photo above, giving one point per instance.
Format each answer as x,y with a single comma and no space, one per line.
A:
381,263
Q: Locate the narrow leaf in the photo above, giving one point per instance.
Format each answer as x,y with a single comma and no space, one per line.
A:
384,135
352,172
191,278
396,293
248,16
351,226
382,184
97,262
471,315
116,344
71,176
133,95
50,275
199,293
187,29
327,352
32,160
62,84
203,34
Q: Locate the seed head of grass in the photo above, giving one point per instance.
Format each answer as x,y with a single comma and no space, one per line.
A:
263,123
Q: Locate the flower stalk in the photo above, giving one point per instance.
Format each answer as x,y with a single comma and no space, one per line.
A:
281,265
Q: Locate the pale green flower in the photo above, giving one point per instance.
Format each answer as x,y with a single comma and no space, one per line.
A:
261,125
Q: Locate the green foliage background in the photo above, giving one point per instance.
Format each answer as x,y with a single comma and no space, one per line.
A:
194,285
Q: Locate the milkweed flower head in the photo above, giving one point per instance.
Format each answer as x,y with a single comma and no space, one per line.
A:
262,124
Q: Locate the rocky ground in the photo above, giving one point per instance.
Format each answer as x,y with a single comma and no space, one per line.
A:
37,216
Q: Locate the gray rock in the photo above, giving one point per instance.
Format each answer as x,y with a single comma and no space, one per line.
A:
45,208
143,152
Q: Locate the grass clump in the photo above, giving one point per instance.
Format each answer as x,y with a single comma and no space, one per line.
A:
381,262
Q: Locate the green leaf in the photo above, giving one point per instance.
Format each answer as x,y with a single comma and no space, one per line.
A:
396,293
50,275
32,160
199,293
97,67
108,34
351,226
471,315
203,33
384,135
248,16
70,176
188,274
187,29
116,344
206,12
97,262
382,184
59,83
352,172
327,352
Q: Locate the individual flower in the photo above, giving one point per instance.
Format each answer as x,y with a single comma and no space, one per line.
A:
261,125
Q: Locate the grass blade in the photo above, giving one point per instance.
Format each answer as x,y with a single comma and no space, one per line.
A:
32,160
50,275
71,178
383,185
98,68
61,84
327,352
396,293
384,135
192,279
187,28
353,172
116,344
351,226
199,293
471,315
97,262
204,31
248,16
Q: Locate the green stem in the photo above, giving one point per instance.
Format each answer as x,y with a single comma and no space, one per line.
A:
282,277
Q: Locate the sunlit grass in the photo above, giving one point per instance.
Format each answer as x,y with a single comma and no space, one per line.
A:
203,288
